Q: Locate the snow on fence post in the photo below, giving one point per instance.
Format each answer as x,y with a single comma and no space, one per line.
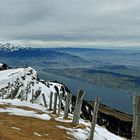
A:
50,104
136,118
55,102
44,100
78,105
32,96
59,105
67,105
94,117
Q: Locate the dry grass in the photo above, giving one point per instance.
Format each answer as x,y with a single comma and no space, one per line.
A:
28,125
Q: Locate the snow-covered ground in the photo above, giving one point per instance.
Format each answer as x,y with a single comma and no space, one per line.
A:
83,134
77,133
22,82
22,112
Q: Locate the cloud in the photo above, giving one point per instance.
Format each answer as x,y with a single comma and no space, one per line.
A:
72,21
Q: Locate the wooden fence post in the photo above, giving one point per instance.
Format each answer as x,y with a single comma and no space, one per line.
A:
44,100
136,118
55,103
78,105
94,118
59,105
26,94
50,105
67,105
12,93
2,96
32,96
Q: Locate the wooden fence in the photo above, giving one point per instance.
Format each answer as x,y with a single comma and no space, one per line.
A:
77,109
57,100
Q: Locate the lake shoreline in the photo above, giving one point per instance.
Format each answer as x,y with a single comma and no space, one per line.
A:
113,98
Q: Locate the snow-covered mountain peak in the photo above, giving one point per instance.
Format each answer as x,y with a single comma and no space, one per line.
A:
9,47
23,83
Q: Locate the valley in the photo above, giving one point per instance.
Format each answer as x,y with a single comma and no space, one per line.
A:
114,71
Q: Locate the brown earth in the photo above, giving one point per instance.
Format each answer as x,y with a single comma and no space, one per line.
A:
9,125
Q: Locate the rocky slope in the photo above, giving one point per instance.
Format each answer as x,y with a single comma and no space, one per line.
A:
21,83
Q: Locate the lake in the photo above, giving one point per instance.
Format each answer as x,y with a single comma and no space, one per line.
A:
113,98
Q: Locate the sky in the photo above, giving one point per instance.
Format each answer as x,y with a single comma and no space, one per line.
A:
70,23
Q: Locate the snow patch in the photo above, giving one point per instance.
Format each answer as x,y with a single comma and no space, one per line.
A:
46,134
17,102
37,134
60,119
25,113
83,134
16,128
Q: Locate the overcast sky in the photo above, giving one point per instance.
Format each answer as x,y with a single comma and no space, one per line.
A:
70,23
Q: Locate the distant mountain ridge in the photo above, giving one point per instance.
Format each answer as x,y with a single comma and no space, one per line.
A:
48,57
8,47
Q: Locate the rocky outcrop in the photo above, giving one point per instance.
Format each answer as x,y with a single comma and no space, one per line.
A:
4,66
